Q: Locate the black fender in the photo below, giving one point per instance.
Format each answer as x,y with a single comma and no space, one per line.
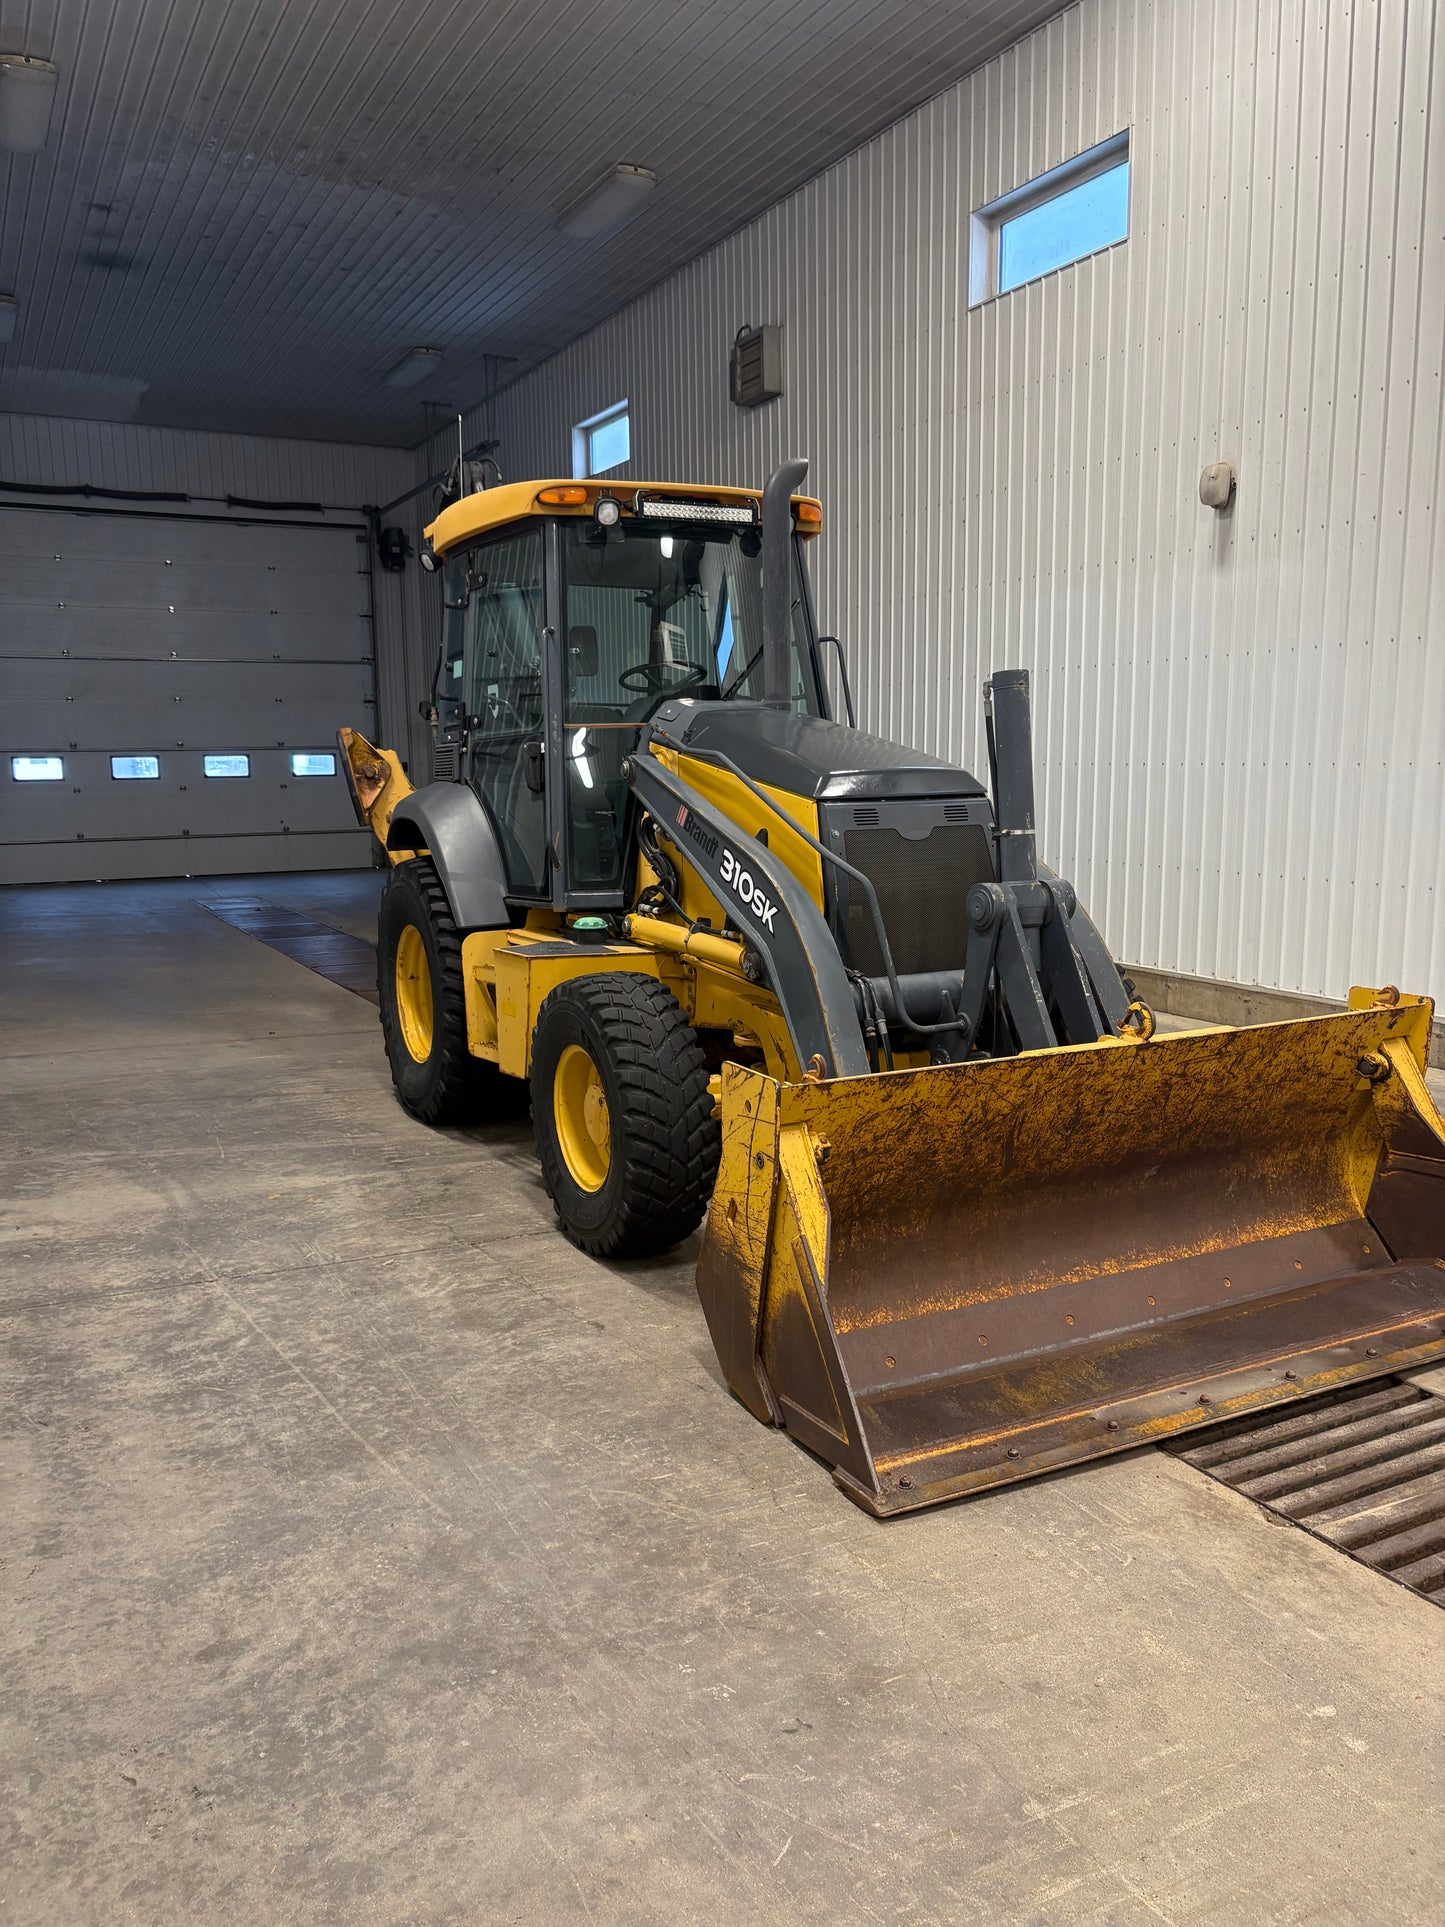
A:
448,821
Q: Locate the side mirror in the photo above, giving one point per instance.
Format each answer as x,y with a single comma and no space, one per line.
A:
582,649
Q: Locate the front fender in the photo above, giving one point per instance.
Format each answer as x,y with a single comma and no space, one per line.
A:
448,821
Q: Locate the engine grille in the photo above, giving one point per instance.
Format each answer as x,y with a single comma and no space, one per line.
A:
922,884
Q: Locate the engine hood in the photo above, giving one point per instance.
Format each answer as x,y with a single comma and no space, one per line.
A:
807,756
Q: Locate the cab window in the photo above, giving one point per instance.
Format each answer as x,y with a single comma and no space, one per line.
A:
653,612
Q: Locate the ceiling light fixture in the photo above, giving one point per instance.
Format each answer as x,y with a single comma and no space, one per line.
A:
608,202
9,316
415,365
27,88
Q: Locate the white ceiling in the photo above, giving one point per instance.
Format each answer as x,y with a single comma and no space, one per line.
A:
247,210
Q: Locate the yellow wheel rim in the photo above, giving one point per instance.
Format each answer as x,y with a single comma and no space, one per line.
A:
584,1129
413,993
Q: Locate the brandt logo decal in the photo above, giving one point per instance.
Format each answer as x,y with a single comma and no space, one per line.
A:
698,834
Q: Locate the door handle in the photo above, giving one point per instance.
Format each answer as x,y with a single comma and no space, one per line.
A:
532,767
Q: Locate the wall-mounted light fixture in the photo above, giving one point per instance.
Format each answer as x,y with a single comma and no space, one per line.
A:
27,89
757,365
1216,485
415,365
607,203
9,317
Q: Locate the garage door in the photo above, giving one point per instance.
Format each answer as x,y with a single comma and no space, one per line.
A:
173,689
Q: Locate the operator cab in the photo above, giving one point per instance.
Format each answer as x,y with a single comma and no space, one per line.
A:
619,620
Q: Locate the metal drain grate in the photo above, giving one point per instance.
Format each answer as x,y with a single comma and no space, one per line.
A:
333,954
1363,1470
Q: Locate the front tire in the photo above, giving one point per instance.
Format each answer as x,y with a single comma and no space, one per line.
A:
424,1008
624,1117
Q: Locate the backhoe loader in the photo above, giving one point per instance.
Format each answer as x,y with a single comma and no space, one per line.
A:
969,1215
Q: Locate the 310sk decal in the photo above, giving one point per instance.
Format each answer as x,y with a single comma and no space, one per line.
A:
740,882
737,879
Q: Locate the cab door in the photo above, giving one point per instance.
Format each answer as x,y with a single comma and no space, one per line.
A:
507,678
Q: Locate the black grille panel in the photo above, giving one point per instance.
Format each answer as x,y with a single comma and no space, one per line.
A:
922,884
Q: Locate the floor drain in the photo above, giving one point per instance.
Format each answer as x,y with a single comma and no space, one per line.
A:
1363,1470
334,954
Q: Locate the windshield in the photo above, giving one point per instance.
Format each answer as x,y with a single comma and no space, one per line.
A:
653,612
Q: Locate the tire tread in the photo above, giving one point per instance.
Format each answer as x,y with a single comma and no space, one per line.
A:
464,1089
669,1136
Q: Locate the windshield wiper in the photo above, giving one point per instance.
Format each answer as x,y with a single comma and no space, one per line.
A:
747,669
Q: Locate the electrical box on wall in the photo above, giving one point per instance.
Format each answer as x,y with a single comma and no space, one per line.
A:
757,366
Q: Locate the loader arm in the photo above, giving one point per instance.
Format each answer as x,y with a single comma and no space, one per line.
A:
782,924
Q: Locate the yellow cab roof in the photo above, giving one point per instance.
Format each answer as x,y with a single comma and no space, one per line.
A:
493,508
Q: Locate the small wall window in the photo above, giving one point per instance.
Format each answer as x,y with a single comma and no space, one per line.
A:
38,769
135,769
602,442
313,763
1064,215
226,765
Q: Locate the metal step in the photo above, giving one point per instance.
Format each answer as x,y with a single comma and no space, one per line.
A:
334,954
1362,1469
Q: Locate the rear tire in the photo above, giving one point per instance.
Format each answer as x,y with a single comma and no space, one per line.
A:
624,1118
424,1008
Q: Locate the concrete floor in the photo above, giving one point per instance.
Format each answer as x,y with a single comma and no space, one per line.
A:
370,1555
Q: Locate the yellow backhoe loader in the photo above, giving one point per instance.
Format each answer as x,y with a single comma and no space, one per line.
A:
968,1216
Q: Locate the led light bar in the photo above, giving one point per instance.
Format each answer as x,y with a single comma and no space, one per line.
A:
743,514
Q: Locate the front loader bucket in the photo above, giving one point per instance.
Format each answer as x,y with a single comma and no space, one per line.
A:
942,1280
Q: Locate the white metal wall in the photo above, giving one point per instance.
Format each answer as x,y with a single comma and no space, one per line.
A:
1240,718
48,449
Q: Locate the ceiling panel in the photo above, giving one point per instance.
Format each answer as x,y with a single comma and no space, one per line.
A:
248,210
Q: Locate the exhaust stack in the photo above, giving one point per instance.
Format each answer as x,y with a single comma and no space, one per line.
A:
784,482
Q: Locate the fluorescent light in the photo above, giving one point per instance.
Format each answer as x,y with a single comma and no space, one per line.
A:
27,87
415,365
608,202
9,317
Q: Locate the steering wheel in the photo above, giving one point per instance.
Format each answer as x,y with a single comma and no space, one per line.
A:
651,678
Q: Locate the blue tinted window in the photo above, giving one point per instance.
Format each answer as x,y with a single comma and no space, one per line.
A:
313,763
226,765
136,769
37,769
725,643
1080,221
609,444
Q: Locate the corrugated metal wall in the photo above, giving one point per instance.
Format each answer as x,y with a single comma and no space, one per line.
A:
54,451
1239,717
49,449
